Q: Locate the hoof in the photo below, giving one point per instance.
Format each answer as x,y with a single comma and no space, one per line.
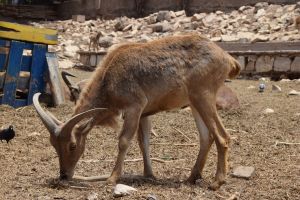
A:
149,176
216,185
111,181
193,179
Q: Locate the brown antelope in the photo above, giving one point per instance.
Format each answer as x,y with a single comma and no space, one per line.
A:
140,80
73,91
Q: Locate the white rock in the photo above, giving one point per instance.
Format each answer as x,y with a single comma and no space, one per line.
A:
180,13
294,92
70,51
65,64
251,87
229,38
92,196
123,190
268,111
243,172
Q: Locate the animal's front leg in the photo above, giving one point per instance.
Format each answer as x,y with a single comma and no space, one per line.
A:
130,126
143,138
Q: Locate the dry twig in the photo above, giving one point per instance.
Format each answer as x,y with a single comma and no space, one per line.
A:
179,131
286,143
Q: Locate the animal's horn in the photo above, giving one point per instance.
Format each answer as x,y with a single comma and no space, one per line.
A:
64,75
48,121
68,126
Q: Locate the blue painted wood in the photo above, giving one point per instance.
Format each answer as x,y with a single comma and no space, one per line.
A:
20,103
12,73
2,61
26,63
38,70
2,42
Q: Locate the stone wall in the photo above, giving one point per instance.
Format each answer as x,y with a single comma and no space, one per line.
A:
138,8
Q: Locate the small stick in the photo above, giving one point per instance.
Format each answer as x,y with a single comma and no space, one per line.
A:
179,131
154,133
160,143
78,187
183,168
92,178
191,144
286,143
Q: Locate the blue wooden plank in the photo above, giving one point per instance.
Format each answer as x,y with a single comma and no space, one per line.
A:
2,61
4,43
38,70
26,63
28,46
20,103
12,73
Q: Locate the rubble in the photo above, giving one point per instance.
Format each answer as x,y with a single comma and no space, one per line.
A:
259,23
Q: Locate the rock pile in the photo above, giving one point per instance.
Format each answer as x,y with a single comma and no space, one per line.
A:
262,22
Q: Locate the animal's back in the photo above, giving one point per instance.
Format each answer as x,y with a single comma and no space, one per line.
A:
159,70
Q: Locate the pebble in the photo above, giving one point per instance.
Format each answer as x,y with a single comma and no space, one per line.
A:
251,87
151,197
92,196
243,172
268,111
294,92
123,190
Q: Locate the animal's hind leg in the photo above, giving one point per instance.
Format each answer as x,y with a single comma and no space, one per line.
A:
205,104
143,139
130,126
205,144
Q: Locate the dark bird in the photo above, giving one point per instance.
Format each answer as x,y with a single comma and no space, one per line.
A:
7,134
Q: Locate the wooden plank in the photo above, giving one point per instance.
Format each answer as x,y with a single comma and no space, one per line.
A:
12,74
55,83
28,33
38,70
260,46
26,63
3,60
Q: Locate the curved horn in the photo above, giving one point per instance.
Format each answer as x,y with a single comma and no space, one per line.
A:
64,75
68,126
46,119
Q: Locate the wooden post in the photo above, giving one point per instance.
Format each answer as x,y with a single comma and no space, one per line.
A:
55,84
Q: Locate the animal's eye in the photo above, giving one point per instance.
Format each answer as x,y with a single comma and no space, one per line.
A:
72,146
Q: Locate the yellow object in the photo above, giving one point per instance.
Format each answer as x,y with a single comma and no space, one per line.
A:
27,33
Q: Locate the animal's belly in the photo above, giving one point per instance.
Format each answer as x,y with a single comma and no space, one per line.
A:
170,101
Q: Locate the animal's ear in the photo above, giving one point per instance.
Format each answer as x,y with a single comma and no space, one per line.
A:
86,126
68,126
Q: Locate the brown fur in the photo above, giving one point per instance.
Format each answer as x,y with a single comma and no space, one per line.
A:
139,80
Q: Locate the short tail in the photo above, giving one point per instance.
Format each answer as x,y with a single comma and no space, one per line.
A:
235,68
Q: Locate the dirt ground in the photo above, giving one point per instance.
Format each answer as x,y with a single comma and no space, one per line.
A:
29,164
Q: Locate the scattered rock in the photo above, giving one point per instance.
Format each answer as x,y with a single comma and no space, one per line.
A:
251,87
294,92
276,88
65,64
92,196
161,27
151,197
34,134
268,111
163,16
243,172
123,190
105,41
